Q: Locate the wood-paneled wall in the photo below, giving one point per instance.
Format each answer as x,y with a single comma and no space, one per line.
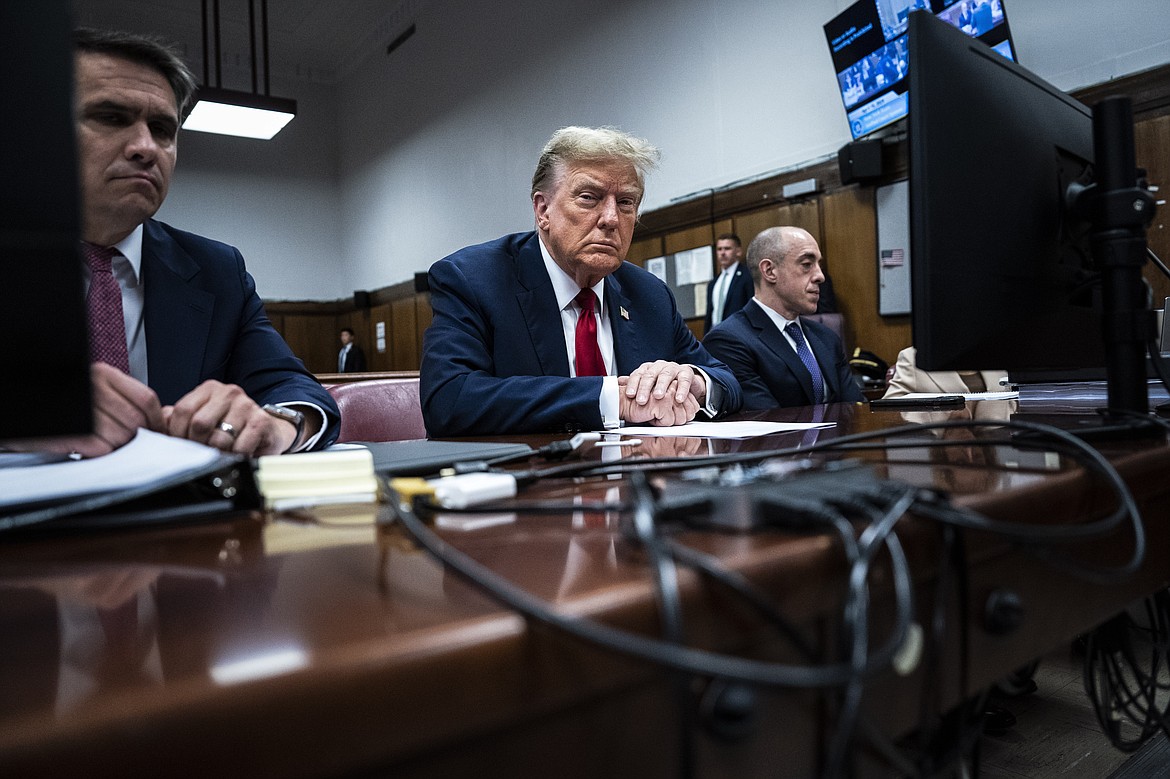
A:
841,217
311,328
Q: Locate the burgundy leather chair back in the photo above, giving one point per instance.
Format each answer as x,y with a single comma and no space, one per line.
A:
835,322
379,410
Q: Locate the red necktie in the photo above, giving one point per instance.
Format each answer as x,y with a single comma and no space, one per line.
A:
589,362
107,327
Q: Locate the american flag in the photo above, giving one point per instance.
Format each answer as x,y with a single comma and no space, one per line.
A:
893,258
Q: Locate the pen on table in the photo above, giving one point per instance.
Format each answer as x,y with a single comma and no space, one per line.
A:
627,442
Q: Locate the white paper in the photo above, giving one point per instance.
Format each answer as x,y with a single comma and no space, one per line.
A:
701,299
746,429
657,267
693,266
148,458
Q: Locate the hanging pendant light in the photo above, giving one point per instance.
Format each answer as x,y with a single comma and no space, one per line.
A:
232,112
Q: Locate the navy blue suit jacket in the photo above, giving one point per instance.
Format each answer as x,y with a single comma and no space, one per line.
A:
494,358
204,320
739,292
767,366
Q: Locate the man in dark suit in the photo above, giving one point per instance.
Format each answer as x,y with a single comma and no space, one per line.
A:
200,358
351,358
779,358
732,288
551,330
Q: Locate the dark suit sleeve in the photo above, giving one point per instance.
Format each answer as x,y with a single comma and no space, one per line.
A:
357,359
205,321
741,292
263,365
688,351
480,375
727,347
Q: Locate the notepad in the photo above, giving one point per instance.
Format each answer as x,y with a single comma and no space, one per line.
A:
317,478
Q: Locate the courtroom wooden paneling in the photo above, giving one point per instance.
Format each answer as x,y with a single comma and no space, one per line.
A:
313,338
640,251
690,238
375,360
403,335
850,226
804,214
423,315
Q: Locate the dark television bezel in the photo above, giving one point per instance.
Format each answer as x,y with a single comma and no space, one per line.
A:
43,332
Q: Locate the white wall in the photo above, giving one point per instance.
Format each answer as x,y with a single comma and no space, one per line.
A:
433,146
278,201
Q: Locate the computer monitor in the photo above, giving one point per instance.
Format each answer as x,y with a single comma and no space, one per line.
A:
43,343
1001,276
1003,272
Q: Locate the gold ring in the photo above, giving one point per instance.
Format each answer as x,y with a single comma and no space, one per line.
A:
227,428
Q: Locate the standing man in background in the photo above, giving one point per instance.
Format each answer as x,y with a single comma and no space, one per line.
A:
552,330
178,336
780,358
732,288
351,358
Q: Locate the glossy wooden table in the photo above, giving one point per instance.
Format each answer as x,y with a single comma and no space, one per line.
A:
325,643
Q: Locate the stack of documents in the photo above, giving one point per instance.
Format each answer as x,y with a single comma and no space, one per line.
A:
317,478
153,478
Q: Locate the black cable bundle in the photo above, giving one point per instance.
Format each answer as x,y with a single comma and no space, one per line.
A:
847,501
1126,662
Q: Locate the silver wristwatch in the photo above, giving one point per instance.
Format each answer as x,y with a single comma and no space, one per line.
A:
288,415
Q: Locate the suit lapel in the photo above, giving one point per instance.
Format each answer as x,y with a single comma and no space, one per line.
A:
627,349
177,315
771,337
538,304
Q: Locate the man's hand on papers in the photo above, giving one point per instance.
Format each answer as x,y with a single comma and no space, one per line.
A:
223,416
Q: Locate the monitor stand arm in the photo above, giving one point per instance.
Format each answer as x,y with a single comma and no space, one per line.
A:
1119,210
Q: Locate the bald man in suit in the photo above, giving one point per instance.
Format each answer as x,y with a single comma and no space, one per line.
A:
780,358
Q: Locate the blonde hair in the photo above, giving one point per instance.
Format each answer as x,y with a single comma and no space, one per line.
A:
576,144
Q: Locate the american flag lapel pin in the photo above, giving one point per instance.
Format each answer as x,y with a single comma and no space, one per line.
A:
622,310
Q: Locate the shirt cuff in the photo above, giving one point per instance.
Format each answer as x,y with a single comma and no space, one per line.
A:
608,403
308,409
714,393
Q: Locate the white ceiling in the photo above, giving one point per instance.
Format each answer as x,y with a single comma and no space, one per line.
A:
307,39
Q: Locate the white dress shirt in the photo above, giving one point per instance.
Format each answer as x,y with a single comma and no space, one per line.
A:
719,298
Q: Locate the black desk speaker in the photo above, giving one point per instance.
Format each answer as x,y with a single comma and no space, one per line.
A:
860,161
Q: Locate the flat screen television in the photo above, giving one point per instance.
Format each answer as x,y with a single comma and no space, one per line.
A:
870,54
44,350
1002,269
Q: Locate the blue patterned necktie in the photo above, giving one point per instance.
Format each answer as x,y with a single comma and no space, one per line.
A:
806,356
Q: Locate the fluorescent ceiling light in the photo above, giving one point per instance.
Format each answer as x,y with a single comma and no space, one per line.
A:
245,114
